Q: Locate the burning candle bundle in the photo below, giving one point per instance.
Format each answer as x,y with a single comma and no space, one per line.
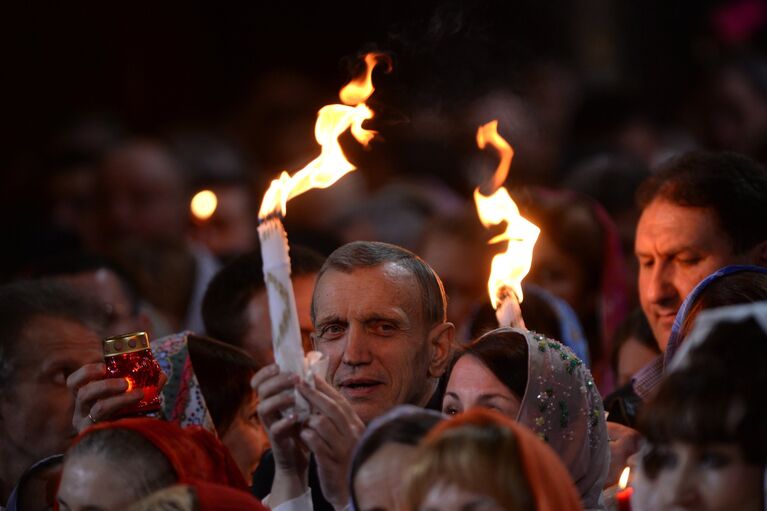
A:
322,172
510,267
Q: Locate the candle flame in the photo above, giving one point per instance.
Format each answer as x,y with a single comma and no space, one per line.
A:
624,480
130,383
203,205
510,267
331,164
361,88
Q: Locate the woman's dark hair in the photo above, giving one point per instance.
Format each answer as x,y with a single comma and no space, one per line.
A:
407,429
732,289
145,467
504,352
717,398
634,326
224,373
732,186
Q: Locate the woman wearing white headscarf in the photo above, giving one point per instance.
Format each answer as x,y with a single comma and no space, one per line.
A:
706,447
544,386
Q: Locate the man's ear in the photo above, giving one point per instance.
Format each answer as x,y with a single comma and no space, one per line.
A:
441,339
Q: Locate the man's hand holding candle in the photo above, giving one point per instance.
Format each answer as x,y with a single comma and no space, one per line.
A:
330,434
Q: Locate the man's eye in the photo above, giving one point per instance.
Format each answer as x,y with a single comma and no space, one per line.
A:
383,328
59,376
645,263
449,410
330,332
688,261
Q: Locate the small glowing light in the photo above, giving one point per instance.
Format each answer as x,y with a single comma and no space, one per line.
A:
204,204
130,384
624,480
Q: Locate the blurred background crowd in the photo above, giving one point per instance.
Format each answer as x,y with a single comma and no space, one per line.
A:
116,116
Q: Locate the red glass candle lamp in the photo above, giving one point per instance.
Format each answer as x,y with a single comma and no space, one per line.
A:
623,497
129,356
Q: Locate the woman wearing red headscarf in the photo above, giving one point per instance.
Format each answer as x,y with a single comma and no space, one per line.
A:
113,465
483,459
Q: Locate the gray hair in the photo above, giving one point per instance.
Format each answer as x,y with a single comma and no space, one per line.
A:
368,254
144,466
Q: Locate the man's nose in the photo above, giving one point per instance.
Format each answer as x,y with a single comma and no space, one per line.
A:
357,349
660,287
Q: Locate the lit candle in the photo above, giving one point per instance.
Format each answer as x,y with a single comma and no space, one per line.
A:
623,497
509,267
286,333
322,172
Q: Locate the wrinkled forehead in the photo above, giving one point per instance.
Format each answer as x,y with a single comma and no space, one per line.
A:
368,290
48,339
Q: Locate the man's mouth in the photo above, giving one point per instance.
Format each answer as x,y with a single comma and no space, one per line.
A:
358,387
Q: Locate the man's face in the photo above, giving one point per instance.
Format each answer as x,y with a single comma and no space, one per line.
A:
369,324
258,339
36,408
677,247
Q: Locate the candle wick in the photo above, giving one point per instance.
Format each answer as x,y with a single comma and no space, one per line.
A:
274,215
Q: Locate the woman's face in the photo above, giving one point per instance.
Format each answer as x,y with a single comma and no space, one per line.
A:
92,483
714,477
562,275
378,484
472,384
449,497
246,439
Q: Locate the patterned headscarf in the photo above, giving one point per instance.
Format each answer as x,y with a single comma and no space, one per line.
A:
562,405
182,399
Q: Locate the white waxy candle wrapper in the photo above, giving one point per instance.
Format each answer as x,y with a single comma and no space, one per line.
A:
509,313
286,333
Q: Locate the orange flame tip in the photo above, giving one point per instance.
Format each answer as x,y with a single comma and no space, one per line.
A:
331,164
361,88
510,267
488,134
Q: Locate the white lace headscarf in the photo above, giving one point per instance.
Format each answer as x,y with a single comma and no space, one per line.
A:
563,406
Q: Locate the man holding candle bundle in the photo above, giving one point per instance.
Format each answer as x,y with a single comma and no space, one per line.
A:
379,314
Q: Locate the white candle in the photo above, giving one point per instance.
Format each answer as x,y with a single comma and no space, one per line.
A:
286,333
508,312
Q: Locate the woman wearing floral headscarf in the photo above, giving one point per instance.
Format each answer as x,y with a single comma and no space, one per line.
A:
544,386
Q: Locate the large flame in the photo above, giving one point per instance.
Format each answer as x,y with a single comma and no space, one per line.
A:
510,267
331,164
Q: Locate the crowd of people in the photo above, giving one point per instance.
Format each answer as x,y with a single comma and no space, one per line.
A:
642,341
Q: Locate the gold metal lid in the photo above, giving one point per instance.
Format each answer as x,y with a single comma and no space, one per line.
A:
126,343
